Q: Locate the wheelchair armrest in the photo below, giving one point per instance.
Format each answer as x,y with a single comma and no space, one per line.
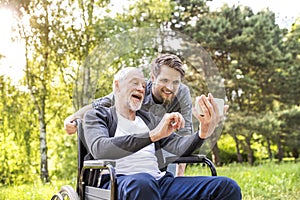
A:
186,159
199,158
98,163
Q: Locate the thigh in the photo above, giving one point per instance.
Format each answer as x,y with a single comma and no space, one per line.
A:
199,187
141,186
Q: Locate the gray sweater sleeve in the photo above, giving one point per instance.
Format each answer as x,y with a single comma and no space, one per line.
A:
101,145
181,145
106,101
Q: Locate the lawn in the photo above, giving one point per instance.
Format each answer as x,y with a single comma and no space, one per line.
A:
261,182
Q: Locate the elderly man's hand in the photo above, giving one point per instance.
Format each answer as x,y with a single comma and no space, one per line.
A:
70,125
211,116
169,123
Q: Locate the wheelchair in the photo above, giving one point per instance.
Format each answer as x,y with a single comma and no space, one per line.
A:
90,172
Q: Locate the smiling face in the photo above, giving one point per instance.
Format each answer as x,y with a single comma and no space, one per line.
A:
165,85
130,91
166,75
134,92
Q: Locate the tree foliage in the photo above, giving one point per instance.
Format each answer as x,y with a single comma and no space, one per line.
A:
257,59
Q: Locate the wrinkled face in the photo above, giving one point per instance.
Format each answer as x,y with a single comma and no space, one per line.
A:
166,85
132,90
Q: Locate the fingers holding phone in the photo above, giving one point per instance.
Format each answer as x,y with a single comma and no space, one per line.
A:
216,103
209,111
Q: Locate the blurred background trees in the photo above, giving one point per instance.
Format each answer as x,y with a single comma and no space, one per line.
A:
258,60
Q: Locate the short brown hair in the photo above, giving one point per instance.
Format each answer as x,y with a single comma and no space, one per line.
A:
169,60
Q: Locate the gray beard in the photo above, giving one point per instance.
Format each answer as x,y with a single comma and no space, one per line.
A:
134,107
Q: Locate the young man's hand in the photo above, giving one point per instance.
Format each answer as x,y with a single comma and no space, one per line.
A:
70,125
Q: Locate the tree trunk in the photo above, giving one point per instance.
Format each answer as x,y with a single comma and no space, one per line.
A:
295,153
215,155
269,149
43,149
280,150
87,93
238,152
250,156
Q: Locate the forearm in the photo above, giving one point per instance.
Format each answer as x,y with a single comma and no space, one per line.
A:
118,147
187,130
69,122
195,144
80,113
182,145
98,134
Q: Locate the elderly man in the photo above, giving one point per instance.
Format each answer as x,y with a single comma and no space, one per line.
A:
135,139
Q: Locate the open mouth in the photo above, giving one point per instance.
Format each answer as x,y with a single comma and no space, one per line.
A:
137,97
167,92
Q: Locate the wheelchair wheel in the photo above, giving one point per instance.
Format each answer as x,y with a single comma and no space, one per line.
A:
66,193
57,196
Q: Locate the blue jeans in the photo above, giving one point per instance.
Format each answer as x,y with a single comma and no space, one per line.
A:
143,186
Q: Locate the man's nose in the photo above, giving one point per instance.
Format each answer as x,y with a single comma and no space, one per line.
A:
170,86
140,87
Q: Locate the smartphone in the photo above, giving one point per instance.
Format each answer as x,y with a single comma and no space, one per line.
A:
220,103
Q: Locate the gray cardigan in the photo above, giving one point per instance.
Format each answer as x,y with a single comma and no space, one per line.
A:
99,129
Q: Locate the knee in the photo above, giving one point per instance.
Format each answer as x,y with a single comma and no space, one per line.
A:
231,190
141,180
235,187
140,185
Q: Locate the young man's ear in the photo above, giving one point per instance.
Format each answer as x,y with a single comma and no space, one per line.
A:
152,77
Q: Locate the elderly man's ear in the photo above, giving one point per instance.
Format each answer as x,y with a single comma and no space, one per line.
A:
117,85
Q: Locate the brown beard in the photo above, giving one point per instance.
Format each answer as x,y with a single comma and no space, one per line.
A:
161,99
167,101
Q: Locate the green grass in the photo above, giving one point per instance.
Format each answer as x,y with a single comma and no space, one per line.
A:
35,191
261,182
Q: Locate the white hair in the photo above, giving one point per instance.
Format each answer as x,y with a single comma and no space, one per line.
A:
122,74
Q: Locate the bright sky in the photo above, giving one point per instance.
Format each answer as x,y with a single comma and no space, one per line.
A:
286,12
12,63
